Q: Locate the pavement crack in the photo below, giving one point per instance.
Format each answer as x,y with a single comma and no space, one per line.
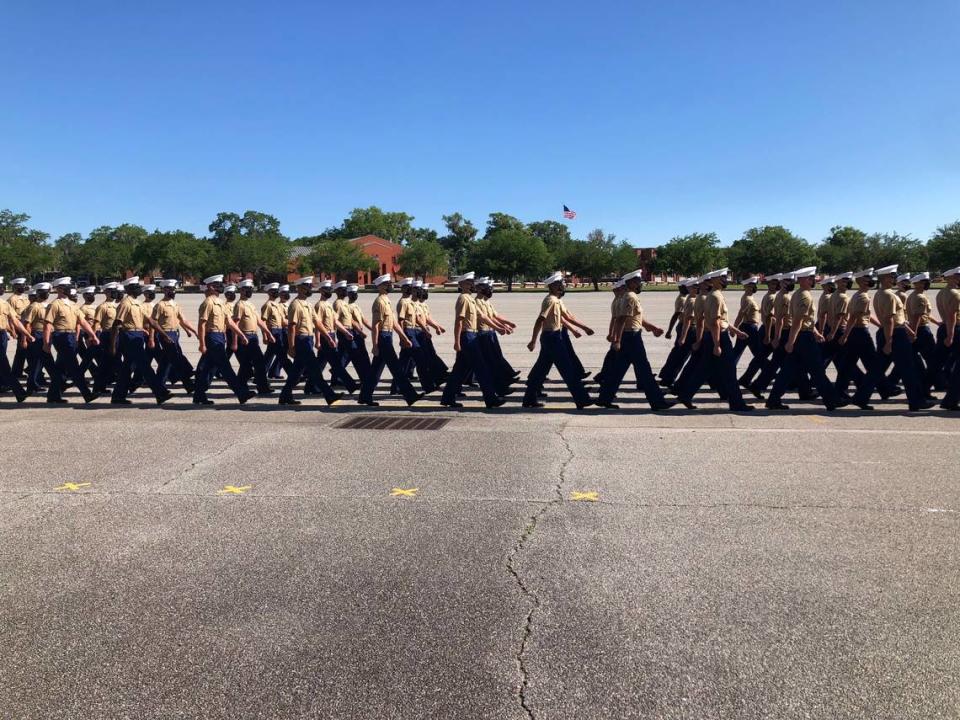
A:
533,599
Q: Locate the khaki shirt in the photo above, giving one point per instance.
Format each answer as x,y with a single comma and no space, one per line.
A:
382,314
466,308
918,306
860,306
166,313
341,308
357,313
87,312
422,312
698,307
62,314
677,303
942,301
486,307
551,310
148,306
105,315
902,294
801,308
689,303
632,312
715,308
272,313
18,303
302,316
213,310
33,316
407,313
6,312
781,308
766,306
749,310
325,316
245,316
228,304
839,304
887,303
823,304
129,314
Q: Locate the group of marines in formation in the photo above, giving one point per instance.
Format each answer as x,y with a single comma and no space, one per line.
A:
132,339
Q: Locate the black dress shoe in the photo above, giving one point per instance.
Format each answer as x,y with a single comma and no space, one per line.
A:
608,405
56,401
368,403
21,397
496,403
665,405
532,405
925,405
336,396
121,401
586,374
954,407
755,391
541,394
897,390
776,405
864,406
452,404
415,398
242,399
163,397
581,406
841,403
91,397
288,401
742,408
265,390
688,404
203,401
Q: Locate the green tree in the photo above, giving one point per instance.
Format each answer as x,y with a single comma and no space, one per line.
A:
108,251
690,254
593,258
394,226
769,249
501,221
68,253
556,236
250,243
944,247
339,257
23,251
624,258
510,254
461,236
176,254
228,225
895,249
843,250
422,258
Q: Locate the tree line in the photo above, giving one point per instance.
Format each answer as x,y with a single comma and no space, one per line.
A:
508,249
773,248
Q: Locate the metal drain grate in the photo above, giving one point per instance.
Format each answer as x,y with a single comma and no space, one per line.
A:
378,422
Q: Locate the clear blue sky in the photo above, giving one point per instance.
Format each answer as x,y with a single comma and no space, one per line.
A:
650,119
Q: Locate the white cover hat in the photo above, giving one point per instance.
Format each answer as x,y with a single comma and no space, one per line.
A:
245,283
131,281
41,286
888,270
61,281
805,272
633,275
752,280
863,273
271,286
617,285
417,283
340,284
775,276
213,279
946,273
353,288
230,289
903,277
553,277
149,288
89,290
284,288
385,278
170,283
466,276
406,281
920,277
844,276
308,280
828,280
18,281
426,286
325,285
690,282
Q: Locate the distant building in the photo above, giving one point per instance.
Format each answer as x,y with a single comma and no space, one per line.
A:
385,252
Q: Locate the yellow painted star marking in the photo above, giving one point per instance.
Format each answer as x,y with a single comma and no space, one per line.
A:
590,496
234,490
403,492
72,486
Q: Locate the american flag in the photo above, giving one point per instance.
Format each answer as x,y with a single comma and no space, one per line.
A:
568,213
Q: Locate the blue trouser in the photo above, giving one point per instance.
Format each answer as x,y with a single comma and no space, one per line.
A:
212,361
65,343
252,363
37,362
87,354
632,352
574,360
415,357
437,365
357,353
951,364
19,361
553,351
771,368
807,358
924,356
305,362
943,359
469,359
386,356
172,362
136,362
275,357
859,347
106,361
846,371
7,378
328,355
886,360
501,370
901,351
608,361
758,350
679,354
720,372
